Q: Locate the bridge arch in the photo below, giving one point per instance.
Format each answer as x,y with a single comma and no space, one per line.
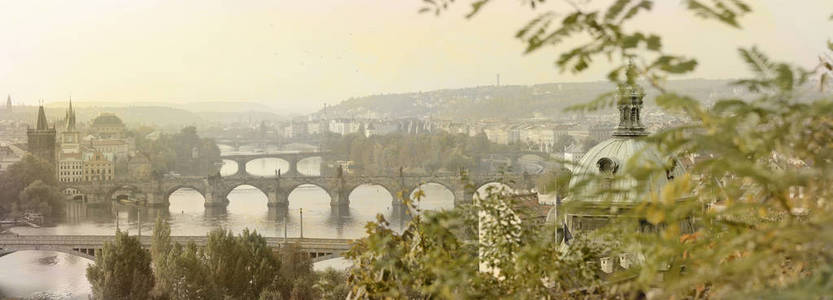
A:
233,187
483,189
435,199
230,167
296,187
124,192
303,163
353,188
266,166
178,187
350,191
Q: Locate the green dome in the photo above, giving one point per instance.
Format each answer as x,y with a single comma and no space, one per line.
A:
107,120
613,156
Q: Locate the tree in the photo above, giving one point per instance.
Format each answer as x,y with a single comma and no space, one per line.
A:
758,196
122,270
43,198
296,268
20,175
160,249
332,285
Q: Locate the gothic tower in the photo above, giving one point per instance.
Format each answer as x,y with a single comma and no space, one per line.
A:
41,140
70,135
9,103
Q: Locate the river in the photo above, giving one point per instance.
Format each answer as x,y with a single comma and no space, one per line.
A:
57,275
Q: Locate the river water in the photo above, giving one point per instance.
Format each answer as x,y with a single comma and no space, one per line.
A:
62,276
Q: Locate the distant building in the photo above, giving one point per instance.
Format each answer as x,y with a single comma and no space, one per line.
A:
98,167
591,202
107,126
344,126
9,103
41,140
70,167
119,148
497,135
314,127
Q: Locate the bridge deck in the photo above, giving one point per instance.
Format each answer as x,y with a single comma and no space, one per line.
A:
318,248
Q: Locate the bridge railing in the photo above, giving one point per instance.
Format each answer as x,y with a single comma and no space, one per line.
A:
77,240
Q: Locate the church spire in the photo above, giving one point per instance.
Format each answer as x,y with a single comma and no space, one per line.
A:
9,102
42,123
70,118
630,106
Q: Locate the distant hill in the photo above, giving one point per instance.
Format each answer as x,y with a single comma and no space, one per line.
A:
170,116
505,102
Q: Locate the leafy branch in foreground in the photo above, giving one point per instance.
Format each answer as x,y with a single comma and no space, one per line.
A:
752,218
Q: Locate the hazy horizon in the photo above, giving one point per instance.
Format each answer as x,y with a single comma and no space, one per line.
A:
296,56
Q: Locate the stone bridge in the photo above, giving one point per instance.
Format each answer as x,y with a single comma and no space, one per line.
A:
291,158
89,245
215,189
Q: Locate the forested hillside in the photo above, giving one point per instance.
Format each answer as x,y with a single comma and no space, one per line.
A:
505,101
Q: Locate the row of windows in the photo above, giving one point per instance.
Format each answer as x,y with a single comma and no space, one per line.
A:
98,178
99,171
70,173
88,178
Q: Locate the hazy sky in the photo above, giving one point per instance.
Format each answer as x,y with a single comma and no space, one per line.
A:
297,55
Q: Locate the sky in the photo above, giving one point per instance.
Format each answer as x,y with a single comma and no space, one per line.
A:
297,55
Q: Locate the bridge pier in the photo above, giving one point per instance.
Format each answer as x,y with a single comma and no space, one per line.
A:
277,198
241,168
339,197
463,194
293,166
213,199
156,199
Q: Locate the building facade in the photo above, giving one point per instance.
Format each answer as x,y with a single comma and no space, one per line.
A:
70,167
98,167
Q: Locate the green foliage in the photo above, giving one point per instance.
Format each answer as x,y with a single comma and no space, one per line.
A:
42,198
439,256
161,248
21,175
332,285
236,267
184,152
430,152
122,270
750,219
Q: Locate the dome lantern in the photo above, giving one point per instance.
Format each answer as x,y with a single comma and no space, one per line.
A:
630,106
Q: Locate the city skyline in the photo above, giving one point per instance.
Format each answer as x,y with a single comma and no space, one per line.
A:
155,51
